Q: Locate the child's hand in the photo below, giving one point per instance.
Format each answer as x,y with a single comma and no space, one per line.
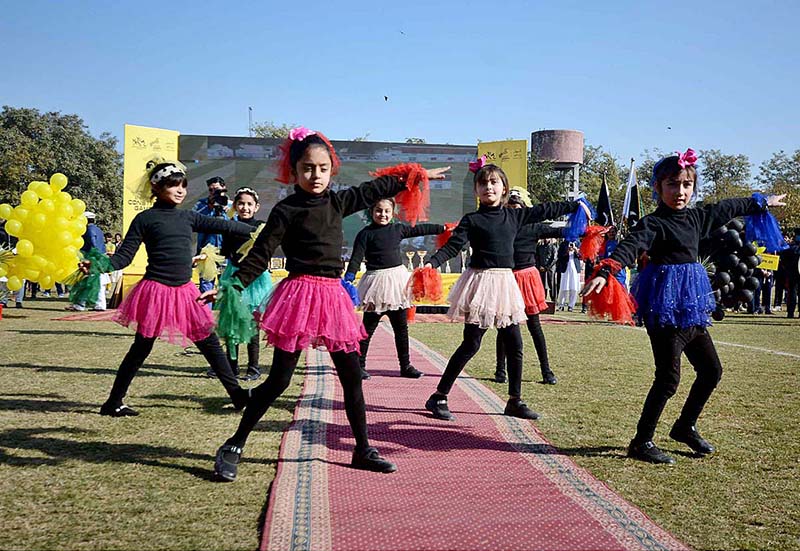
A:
776,200
207,296
586,210
437,173
84,266
596,284
427,265
197,258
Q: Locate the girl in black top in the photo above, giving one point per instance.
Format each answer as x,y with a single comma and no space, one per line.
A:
486,294
674,297
245,202
310,307
164,303
383,289
529,280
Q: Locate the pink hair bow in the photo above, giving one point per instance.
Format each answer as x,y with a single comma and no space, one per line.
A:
300,133
475,166
689,158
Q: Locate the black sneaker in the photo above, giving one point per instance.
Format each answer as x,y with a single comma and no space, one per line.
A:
241,398
253,374
370,460
119,411
692,438
410,372
648,451
499,375
548,378
365,374
226,462
517,408
210,374
437,404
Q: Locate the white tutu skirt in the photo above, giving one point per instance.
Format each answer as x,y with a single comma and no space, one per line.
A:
384,290
487,298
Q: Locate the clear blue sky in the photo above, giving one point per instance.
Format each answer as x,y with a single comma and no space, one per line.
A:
721,74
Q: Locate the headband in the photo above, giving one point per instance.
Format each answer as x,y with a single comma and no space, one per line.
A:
166,172
249,190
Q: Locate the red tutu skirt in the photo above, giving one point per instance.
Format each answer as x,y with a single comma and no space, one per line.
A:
307,310
530,284
153,309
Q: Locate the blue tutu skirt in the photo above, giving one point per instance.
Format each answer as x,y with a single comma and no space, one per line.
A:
676,295
255,293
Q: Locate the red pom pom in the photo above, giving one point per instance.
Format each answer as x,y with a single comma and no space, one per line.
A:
444,237
613,302
415,201
426,284
592,242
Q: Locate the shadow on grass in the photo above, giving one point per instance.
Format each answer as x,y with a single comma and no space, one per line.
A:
62,332
36,403
216,405
60,450
145,371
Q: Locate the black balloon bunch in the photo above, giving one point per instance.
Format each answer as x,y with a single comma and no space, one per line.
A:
732,264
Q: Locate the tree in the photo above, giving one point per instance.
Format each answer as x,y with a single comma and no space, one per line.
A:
35,145
781,174
269,129
596,161
544,183
723,176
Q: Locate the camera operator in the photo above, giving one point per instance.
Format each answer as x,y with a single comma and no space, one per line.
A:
216,204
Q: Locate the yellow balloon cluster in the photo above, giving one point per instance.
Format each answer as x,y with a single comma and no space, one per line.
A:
49,224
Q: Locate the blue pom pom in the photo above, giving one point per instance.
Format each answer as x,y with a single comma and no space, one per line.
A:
578,221
352,291
763,228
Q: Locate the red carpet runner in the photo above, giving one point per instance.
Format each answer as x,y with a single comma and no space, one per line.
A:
483,482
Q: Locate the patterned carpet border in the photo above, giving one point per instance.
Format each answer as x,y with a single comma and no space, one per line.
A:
301,480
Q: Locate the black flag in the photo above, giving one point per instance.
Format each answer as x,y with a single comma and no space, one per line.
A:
605,216
635,207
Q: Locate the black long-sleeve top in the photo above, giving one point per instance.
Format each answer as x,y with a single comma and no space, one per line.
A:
673,236
232,242
381,244
491,232
527,243
167,235
309,229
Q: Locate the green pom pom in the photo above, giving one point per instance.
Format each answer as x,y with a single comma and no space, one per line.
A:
86,289
235,323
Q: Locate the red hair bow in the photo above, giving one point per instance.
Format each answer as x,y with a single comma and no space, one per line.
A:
689,158
475,166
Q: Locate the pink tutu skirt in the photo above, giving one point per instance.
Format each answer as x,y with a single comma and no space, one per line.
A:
384,290
532,289
153,309
306,310
487,298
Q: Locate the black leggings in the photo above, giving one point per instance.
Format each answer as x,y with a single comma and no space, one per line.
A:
535,329
140,349
399,321
253,351
470,346
668,343
280,375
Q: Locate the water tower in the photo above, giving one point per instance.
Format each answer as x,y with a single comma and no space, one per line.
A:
564,149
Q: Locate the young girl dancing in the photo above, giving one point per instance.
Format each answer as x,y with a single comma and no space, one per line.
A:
383,288
674,297
310,306
530,284
245,202
164,303
486,294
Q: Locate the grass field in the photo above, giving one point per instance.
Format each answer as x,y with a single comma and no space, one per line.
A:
70,479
